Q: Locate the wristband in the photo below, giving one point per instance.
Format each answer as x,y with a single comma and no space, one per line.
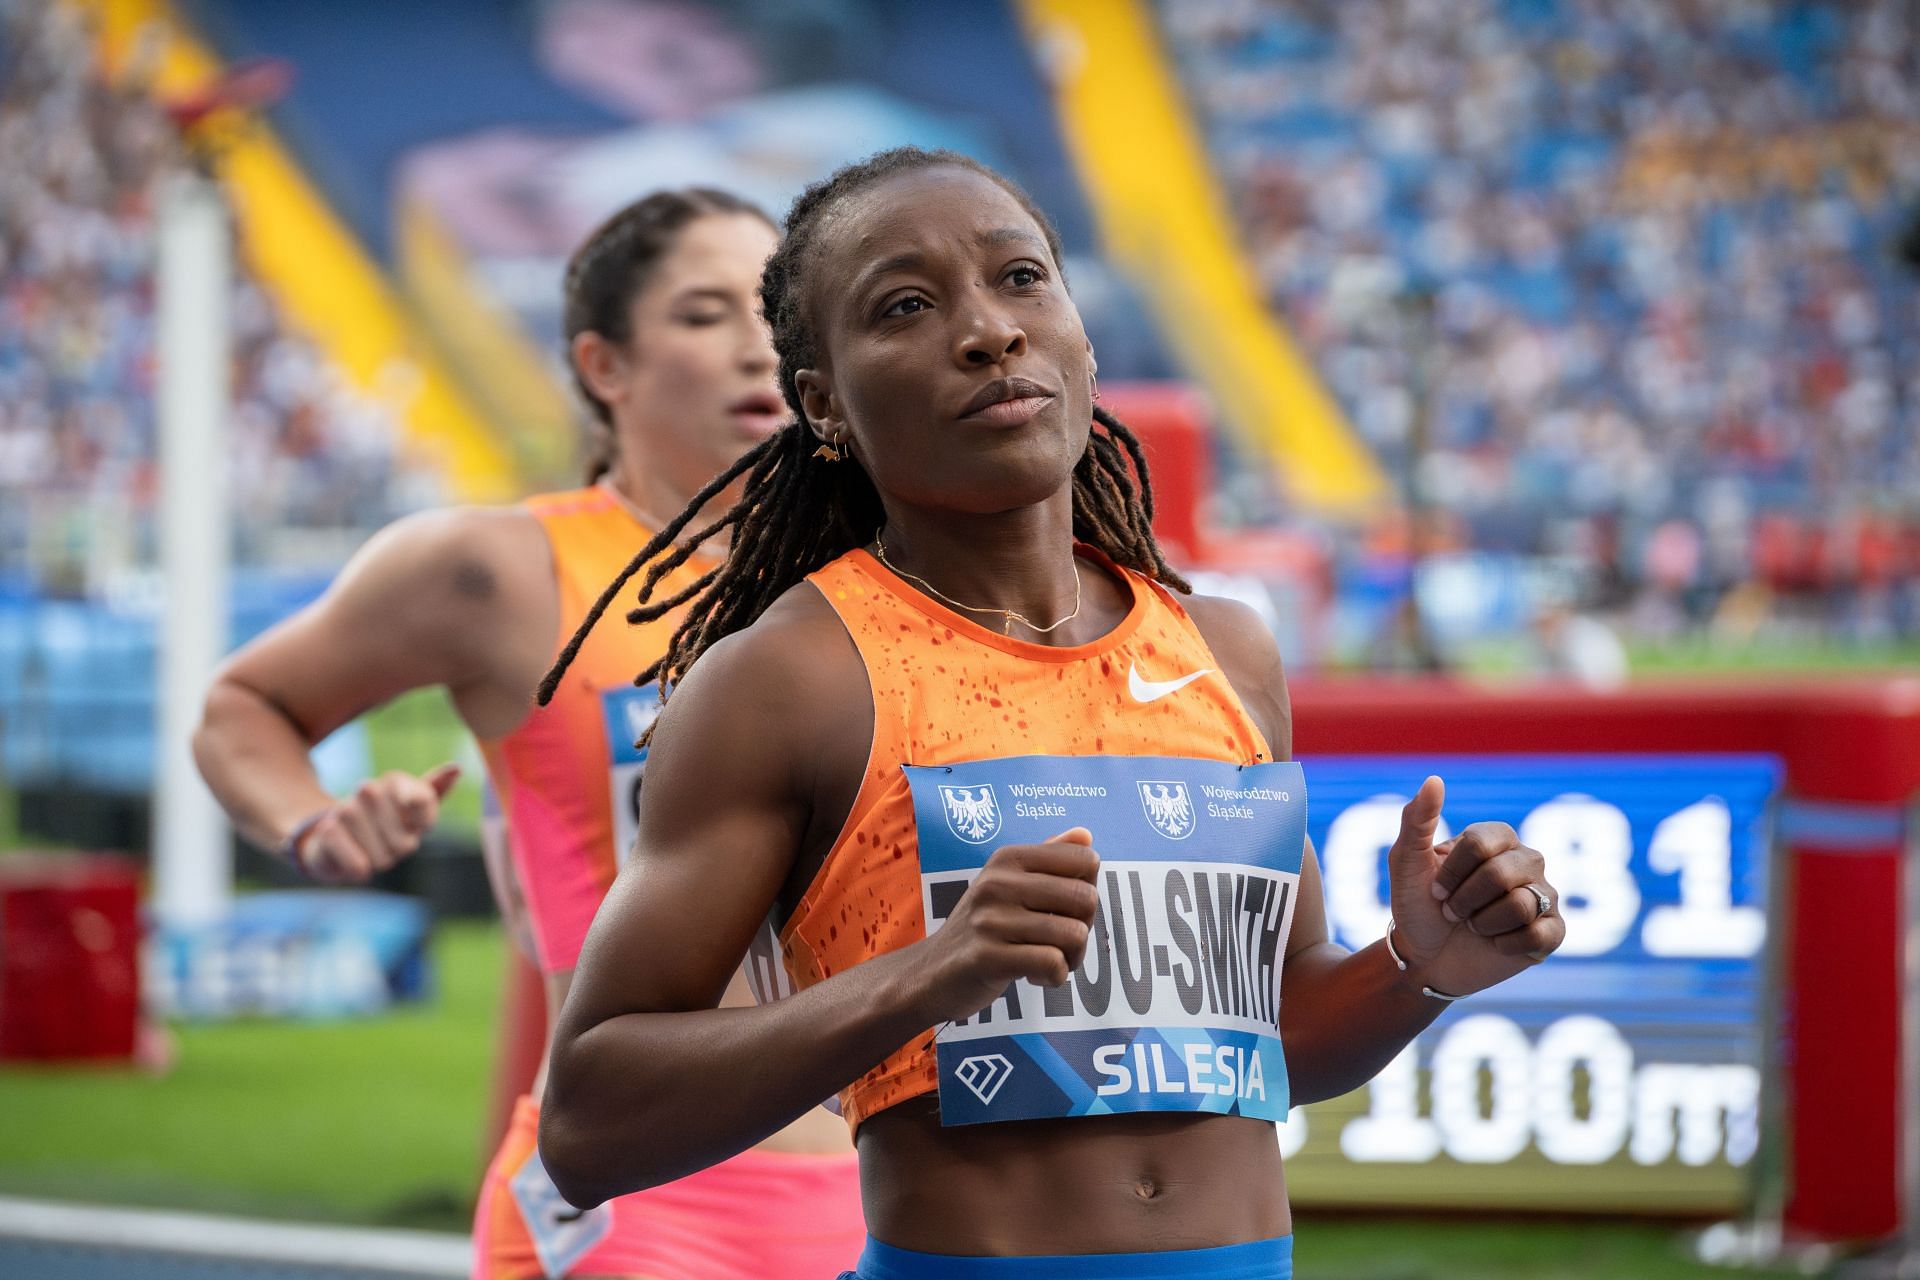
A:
290,848
1424,990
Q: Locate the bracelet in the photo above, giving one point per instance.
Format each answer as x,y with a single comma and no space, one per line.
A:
290,847
1424,990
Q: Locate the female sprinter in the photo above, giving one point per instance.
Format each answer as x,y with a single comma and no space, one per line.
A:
672,356
943,664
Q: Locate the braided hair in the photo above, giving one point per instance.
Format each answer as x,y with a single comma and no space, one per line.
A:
609,270
796,513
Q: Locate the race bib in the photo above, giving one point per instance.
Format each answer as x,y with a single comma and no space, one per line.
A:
1176,1005
561,1234
628,712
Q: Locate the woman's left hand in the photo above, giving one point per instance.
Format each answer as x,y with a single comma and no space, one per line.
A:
1472,911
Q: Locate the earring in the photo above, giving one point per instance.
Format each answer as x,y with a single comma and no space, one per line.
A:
1093,379
829,452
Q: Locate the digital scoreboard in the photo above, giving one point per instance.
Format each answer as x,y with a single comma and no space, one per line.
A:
1624,1074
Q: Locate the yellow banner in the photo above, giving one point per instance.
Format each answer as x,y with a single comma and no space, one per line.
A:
321,278
1166,224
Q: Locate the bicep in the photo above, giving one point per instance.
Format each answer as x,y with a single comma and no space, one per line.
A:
1310,912
395,619
720,825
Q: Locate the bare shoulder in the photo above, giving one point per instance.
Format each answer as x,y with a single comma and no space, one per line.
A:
791,667
471,554
466,590
1250,657
457,577
1233,630
463,598
777,717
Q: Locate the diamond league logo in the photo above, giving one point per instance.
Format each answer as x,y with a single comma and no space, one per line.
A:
1168,808
983,1074
972,812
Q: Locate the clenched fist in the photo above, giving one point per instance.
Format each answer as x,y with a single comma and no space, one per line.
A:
378,825
1026,915
1471,911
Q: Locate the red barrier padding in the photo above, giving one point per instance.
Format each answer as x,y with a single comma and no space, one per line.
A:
69,958
1172,422
1850,743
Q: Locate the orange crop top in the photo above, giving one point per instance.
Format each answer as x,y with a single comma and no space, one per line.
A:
947,690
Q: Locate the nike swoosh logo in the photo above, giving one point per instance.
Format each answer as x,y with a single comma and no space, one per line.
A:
1150,690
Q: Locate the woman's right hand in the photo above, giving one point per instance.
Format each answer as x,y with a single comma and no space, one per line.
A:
378,825
1028,914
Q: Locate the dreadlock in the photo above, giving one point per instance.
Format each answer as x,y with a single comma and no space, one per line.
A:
796,514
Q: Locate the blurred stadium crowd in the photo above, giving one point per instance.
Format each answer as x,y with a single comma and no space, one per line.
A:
81,162
1620,276
1613,280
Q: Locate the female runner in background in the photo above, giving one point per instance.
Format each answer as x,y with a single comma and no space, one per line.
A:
670,351
942,563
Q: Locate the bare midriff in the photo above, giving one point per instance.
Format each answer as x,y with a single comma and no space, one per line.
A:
1104,1184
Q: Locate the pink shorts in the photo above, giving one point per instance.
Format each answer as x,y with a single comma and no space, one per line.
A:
763,1215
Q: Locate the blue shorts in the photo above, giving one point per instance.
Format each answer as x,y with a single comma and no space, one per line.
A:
1259,1260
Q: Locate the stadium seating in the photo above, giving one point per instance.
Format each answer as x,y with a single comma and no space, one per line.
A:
82,160
1636,259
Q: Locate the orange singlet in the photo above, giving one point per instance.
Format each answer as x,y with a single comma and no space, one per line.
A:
568,782
947,690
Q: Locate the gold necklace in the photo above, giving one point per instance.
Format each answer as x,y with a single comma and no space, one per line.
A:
1009,616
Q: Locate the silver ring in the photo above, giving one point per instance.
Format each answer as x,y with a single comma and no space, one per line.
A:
1545,903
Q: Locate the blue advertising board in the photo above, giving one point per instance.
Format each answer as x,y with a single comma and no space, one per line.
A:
1624,1073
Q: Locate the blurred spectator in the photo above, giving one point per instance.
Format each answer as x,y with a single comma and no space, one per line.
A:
79,162
1577,647
1404,643
1660,237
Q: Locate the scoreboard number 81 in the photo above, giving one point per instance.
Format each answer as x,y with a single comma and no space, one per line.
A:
1639,1045
1588,845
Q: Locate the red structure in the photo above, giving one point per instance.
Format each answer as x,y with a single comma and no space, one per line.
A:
1852,755
69,958
1171,420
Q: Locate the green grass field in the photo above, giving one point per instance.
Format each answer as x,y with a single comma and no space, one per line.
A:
1703,656
1447,1249
378,1122
375,1121
1706,657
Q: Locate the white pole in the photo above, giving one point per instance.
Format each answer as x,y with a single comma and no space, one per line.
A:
193,860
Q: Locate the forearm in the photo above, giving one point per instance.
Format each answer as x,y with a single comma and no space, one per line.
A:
256,764
1345,1015
643,1098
